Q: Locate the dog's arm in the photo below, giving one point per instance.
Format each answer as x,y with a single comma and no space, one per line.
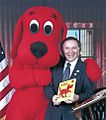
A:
42,76
20,76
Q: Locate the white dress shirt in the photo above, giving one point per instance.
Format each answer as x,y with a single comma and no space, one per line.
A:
73,64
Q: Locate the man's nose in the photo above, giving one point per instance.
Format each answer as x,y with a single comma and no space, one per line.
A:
70,50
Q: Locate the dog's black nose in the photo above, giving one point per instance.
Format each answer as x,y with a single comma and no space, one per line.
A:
38,49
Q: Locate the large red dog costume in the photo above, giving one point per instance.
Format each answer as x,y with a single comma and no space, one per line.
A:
35,49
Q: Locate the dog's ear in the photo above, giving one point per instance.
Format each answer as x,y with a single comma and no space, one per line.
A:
18,31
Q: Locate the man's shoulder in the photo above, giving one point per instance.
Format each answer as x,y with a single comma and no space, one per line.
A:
60,63
82,63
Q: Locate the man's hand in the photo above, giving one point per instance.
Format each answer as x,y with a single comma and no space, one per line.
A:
75,98
54,100
68,101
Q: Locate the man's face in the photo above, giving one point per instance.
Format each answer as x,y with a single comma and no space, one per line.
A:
71,50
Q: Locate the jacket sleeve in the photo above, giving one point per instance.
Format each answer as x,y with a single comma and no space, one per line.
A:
87,87
49,90
87,91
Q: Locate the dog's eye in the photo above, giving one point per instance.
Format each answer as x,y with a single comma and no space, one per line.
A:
34,26
48,28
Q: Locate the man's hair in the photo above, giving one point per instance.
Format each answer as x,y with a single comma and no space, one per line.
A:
71,38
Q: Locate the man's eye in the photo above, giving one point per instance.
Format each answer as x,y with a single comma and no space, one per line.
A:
74,48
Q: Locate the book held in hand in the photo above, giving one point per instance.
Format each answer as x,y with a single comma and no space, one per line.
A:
66,90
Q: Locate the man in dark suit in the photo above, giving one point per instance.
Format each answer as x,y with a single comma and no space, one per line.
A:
77,69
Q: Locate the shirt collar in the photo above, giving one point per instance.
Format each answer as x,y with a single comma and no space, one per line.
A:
72,63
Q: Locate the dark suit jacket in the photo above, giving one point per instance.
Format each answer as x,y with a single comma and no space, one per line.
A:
84,88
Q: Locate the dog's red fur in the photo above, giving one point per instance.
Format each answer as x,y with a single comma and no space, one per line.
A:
93,71
28,73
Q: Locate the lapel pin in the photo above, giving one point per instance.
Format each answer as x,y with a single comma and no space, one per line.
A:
75,74
77,71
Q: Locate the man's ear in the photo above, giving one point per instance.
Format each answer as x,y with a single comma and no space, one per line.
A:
17,37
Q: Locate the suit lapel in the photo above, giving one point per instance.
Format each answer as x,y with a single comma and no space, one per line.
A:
77,69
